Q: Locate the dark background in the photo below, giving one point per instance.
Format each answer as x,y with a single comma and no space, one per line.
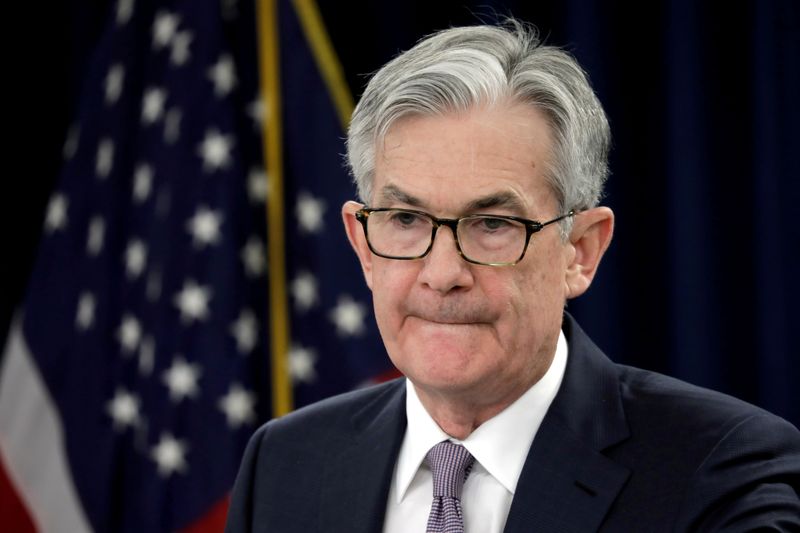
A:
703,279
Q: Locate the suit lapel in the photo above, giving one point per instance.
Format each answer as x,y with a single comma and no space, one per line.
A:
355,484
567,484
564,486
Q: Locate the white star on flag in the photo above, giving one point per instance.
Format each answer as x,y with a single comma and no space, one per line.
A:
84,318
348,316
257,186
129,333
169,454
180,53
135,258
192,301
238,405
223,75
257,111
204,227
301,364
309,212
56,217
164,28
245,331
105,158
153,104
215,150
181,379
254,257
142,182
304,291
115,78
97,231
124,11
123,409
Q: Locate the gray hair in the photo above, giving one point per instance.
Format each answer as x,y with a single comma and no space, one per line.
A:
461,68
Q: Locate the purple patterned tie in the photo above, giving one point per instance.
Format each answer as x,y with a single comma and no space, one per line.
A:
450,464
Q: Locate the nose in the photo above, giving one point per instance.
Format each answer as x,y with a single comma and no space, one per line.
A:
443,269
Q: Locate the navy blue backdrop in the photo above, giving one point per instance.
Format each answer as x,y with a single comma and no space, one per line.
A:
702,281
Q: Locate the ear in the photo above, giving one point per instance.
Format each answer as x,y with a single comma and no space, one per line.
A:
590,236
355,234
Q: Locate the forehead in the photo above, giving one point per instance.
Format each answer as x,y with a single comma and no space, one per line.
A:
448,162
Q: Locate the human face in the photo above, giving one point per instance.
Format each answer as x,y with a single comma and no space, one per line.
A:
483,334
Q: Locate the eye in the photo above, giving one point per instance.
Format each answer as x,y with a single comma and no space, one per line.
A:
493,224
405,218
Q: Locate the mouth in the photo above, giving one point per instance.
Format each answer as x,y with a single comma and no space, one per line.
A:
452,314
449,321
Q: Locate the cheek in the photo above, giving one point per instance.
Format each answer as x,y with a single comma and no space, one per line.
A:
391,283
537,292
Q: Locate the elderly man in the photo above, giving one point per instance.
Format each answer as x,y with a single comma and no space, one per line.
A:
481,157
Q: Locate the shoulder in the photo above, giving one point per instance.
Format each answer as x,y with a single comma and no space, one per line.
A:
719,461
696,422
667,409
285,456
337,416
653,399
698,459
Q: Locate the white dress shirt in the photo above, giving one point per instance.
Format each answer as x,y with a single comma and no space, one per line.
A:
499,446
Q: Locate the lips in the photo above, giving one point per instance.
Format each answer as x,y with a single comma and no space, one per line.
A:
452,315
449,321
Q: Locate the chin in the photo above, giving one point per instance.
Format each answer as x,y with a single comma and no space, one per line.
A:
440,366
448,385
450,341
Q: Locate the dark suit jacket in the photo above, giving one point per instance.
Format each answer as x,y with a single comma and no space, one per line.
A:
620,449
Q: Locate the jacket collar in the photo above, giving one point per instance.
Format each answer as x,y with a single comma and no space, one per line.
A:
567,484
356,483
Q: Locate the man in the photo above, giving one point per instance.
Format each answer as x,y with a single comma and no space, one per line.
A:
481,157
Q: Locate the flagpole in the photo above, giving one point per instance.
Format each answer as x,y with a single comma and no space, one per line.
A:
270,84
326,58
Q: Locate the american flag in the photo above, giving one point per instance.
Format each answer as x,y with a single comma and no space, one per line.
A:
139,364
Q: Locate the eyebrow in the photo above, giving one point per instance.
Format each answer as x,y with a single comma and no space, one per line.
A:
508,200
392,193
502,199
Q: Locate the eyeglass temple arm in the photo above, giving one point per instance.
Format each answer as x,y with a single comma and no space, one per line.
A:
562,217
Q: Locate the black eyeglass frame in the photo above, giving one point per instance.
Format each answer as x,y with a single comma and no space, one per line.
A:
531,227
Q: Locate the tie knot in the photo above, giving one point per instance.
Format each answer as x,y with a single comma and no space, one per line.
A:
450,465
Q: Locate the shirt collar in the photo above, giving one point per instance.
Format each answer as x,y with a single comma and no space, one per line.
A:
500,444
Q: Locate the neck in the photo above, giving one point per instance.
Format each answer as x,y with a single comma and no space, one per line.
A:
455,418
460,414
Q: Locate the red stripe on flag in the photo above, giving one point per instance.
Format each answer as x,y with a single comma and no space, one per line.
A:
387,376
213,521
16,516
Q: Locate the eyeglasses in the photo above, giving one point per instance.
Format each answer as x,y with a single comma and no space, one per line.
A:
405,234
